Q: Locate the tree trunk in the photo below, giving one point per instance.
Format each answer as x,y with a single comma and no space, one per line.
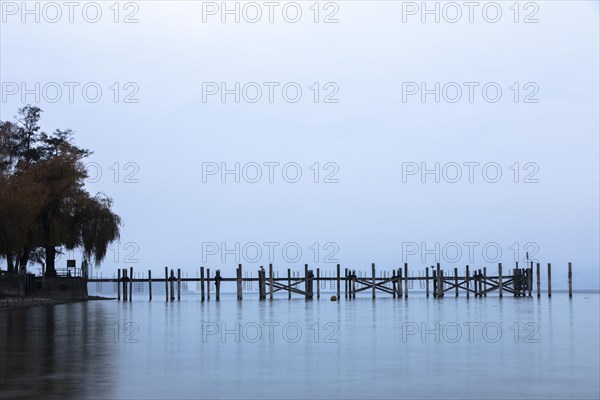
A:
10,262
23,261
50,256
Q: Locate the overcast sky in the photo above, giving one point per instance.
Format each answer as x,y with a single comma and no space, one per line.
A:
369,134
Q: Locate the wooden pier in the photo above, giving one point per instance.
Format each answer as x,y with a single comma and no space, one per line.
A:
518,282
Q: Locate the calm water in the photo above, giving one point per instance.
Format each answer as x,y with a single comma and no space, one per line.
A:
423,348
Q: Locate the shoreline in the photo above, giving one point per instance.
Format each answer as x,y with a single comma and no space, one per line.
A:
13,303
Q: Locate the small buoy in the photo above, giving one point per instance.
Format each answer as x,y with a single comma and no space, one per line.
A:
334,298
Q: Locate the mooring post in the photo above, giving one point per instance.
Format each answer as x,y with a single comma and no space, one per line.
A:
499,279
166,284
484,283
262,295
467,280
207,284
238,277
434,280
549,280
149,285
345,283
440,287
353,283
530,280
202,284
400,283
538,280
306,281
426,282
218,285
373,279
130,283
290,283
455,282
338,282
270,281
309,280
172,280
178,284
406,280
514,276
124,284
394,283
119,284
318,283
570,281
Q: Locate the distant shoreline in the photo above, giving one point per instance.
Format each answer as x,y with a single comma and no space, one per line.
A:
12,303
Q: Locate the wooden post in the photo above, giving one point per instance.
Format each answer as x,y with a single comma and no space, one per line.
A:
373,278
124,284
455,282
426,282
434,280
262,295
318,283
570,281
178,284
306,281
202,284
345,283
515,281
167,284
467,280
119,284
406,280
172,279
484,282
549,280
400,283
353,284
338,282
440,288
539,284
238,272
530,278
290,283
130,283
394,283
149,285
500,280
218,285
207,284
309,281
271,282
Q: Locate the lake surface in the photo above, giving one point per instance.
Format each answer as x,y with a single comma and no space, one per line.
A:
388,348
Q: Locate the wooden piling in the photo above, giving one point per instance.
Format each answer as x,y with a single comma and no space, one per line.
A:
400,284
166,284
119,284
345,283
202,284
467,281
318,283
530,279
549,280
373,278
570,281
124,284
149,285
434,280
338,282
290,283
394,284
406,280
239,282
208,284
309,281
172,279
484,282
440,287
178,284
514,276
441,283
426,282
218,285
271,287
261,285
354,284
455,282
306,281
130,283
499,279
539,283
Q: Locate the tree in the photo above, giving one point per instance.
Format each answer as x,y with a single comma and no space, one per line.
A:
43,202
